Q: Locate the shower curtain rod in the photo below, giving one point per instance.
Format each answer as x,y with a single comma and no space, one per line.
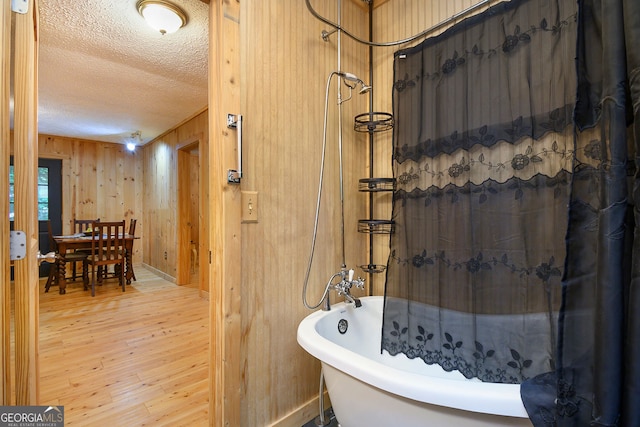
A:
424,33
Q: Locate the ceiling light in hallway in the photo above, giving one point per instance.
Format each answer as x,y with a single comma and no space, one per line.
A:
162,15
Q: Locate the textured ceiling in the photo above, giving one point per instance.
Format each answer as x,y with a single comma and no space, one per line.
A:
104,73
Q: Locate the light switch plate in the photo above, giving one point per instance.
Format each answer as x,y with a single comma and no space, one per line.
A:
249,206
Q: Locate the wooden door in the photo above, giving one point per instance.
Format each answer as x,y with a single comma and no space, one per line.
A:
188,211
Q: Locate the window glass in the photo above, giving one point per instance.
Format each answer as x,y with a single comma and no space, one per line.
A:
12,197
43,194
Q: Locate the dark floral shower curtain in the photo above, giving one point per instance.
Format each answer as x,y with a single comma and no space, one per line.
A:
515,256
483,156
598,377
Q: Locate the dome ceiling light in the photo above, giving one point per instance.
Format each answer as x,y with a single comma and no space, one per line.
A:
162,15
134,141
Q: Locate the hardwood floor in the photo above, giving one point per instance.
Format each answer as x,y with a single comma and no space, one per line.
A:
134,358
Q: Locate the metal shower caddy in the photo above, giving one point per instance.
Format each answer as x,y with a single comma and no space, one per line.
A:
371,123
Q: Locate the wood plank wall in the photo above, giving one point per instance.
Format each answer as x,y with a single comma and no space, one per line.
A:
5,288
26,319
285,64
225,380
285,68
282,99
105,180
99,180
159,193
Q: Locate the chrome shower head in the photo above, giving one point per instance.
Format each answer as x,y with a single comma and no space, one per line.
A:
365,88
356,80
349,76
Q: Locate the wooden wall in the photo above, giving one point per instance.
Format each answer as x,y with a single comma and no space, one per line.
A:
6,326
100,180
105,180
285,65
160,192
284,69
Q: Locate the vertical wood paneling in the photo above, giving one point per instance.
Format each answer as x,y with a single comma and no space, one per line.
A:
5,286
285,64
194,197
26,217
99,180
187,226
285,68
282,99
225,382
159,181
204,249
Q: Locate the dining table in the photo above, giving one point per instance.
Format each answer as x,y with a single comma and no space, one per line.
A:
66,244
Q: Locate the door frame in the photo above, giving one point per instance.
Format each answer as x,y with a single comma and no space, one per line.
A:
5,271
225,231
24,58
185,152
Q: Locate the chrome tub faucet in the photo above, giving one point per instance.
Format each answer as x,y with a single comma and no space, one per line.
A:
343,288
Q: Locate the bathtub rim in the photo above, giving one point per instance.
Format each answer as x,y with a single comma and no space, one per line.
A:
483,397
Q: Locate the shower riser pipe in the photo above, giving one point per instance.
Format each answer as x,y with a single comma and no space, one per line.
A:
371,213
371,157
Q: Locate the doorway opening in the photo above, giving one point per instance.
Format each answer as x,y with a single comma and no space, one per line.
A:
190,230
49,204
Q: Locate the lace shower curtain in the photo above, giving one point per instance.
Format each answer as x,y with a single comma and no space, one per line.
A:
517,205
483,156
597,382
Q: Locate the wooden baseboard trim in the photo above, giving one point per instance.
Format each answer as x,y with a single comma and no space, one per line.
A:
303,414
159,273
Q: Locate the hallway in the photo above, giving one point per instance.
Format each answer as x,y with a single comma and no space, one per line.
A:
133,358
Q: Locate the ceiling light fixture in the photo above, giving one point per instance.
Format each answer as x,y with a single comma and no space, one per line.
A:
162,16
135,140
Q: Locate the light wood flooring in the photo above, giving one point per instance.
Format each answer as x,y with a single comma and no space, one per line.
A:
134,358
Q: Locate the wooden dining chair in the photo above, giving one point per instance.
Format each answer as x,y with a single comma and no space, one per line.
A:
132,233
80,226
127,261
107,246
73,258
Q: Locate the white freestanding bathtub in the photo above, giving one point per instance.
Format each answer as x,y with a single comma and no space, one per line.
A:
371,389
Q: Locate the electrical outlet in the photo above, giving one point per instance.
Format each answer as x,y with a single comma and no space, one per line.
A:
249,206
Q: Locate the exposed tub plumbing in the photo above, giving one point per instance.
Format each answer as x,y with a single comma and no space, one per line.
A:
343,288
325,34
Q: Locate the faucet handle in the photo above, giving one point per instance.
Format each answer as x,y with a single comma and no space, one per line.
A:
351,272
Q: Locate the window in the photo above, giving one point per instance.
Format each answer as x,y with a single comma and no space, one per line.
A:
43,194
12,195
